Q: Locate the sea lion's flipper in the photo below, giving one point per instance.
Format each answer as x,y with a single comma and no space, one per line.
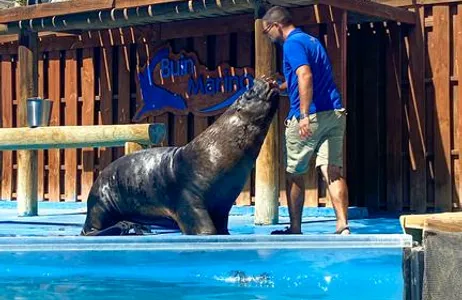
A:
192,216
220,220
121,228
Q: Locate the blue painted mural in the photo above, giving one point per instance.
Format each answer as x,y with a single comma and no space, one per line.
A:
179,83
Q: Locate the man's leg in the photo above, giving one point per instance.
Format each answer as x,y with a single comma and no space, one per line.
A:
297,154
295,190
338,191
330,161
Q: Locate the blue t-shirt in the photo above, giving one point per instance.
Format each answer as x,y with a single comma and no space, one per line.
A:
300,49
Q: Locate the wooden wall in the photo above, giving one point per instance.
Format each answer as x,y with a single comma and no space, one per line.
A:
443,33
404,125
402,144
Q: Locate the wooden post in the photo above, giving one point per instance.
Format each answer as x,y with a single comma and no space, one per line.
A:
267,165
131,147
27,188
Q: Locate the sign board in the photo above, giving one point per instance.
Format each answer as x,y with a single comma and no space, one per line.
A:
178,83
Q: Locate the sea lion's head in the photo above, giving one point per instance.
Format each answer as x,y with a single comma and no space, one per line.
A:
261,100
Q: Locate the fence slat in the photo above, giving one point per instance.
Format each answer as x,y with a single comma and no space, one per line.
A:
54,157
200,47
141,59
439,58
180,122
181,130
88,118
7,122
106,101
71,120
459,95
416,77
244,42
370,130
123,106
429,114
394,107
16,87
40,153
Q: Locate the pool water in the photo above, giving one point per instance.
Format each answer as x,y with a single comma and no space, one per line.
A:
293,268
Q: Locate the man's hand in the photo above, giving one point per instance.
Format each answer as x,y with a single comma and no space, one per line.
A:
305,130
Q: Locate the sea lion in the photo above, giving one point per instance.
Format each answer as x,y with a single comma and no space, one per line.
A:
194,186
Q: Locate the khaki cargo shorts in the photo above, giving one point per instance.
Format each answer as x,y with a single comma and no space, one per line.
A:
326,141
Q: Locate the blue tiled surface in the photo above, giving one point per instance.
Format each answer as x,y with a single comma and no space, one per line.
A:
62,219
353,212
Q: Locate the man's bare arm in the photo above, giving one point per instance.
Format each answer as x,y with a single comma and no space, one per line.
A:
305,88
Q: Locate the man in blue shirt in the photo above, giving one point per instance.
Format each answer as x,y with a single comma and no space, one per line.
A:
315,125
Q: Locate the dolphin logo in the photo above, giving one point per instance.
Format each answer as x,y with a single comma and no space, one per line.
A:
153,96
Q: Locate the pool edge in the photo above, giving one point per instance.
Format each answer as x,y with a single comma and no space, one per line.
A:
198,243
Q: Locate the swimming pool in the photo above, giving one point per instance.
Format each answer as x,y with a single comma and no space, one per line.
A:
210,267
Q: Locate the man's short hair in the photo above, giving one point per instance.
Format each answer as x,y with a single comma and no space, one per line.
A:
278,14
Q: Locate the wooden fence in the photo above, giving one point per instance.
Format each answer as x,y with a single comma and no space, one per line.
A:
403,126
395,160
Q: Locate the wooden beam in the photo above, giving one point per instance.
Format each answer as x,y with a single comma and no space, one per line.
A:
267,165
433,2
137,3
409,3
416,225
44,34
90,39
397,3
418,221
373,9
52,9
27,189
106,19
65,137
451,225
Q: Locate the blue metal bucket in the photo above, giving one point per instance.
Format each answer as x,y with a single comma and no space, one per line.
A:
38,112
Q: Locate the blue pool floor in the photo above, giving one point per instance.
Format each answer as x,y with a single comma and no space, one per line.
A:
66,219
